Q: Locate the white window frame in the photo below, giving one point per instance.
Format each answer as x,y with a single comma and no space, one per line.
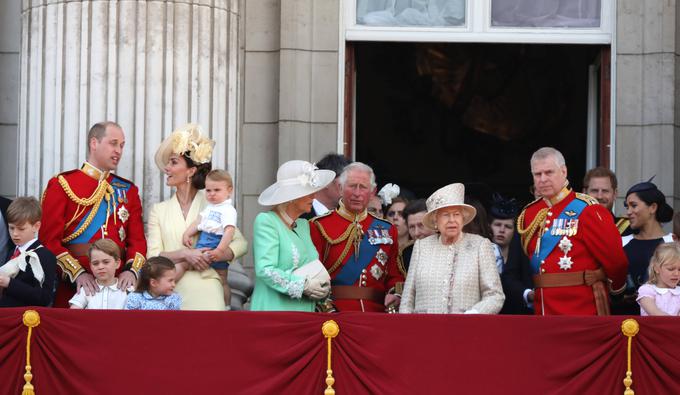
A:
478,28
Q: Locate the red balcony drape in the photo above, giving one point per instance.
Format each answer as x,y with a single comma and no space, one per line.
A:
148,352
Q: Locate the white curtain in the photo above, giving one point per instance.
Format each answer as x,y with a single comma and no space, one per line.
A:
546,13
411,12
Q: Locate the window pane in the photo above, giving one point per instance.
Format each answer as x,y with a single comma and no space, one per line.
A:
429,13
546,13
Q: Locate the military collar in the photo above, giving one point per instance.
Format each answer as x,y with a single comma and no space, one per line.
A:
350,216
94,172
559,197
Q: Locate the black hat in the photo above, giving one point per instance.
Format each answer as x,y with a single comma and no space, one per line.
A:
503,208
649,193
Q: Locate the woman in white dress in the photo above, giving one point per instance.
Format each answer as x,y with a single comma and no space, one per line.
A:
452,272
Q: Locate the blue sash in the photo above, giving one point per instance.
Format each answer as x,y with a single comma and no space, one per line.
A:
120,188
351,270
550,241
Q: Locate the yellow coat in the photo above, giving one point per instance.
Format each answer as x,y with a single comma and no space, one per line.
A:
199,290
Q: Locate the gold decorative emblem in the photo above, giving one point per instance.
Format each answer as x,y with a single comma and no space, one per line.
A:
123,214
376,272
121,234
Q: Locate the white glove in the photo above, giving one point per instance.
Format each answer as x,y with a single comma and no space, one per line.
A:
315,289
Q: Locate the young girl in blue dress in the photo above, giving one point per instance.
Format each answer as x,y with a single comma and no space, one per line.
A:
155,289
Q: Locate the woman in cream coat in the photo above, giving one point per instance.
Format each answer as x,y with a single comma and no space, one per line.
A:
185,159
452,272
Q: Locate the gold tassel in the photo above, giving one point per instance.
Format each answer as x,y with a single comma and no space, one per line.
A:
630,328
31,320
330,329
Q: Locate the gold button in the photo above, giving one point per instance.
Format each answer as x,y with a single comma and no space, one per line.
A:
547,221
542,270
549,213
363,283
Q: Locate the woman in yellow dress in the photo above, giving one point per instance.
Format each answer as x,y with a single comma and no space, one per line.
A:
185,158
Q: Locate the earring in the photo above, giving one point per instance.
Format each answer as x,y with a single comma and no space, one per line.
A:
188,179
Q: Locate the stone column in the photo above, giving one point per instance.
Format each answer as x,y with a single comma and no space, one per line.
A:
647,135
148,65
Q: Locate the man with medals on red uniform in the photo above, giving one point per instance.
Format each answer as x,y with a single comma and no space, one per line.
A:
359,250
572,242
90,203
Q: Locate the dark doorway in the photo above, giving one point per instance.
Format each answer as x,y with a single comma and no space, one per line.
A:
431,114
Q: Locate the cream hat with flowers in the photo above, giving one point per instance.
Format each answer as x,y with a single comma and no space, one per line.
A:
188,140
452,195
295,179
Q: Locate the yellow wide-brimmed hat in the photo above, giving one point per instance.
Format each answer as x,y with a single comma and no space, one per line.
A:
187,140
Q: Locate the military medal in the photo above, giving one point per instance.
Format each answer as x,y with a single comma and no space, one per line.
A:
376,272
565,245
123,214
565,263
121,234
387,239
381,256
373,237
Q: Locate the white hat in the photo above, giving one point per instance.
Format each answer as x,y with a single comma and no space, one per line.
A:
452,195
295,179
187,140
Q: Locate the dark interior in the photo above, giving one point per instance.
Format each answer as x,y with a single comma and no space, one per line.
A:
431,114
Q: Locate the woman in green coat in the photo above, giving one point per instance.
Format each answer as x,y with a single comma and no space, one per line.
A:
282,245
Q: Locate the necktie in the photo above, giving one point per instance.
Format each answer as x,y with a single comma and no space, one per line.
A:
16,253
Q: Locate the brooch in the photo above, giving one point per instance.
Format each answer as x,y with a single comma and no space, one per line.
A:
123,214
121,234
376,272
381,256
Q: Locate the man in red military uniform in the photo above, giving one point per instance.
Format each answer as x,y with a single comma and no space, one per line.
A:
572,242
359,250
90,203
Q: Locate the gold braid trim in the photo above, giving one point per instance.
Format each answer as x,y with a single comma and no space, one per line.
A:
349,235
527,233
102,191
70,266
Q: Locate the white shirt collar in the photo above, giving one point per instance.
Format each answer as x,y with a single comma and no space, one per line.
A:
319,208
112,287
662,291
25,246
228,201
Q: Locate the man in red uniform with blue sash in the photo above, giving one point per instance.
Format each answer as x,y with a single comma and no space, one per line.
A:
359,250
90,203
572,242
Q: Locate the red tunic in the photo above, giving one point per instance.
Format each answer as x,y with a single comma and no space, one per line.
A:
63,216
596,244
380,276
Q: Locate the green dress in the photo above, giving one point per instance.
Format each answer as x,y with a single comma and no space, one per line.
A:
278,252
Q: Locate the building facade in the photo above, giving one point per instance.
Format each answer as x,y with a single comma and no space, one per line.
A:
274,80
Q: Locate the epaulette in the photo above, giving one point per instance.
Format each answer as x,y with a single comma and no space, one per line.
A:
318,217
388,222
527,206
64,173
586,198
116,177
381,219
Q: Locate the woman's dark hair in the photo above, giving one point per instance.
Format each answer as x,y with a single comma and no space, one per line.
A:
649,193
480,224
153,268
202,170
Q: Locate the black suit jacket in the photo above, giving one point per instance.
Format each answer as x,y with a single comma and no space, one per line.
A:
516,278
25,290
4,203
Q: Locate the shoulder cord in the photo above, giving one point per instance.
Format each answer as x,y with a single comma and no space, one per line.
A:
529,232
103,191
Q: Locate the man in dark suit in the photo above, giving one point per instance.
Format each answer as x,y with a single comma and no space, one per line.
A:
6,245
327,199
